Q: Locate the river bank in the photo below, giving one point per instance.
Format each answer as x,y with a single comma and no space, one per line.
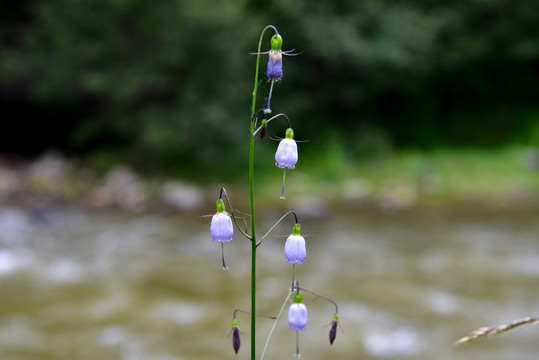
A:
509,178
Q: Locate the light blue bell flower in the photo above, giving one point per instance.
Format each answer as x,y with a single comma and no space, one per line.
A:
294,248
287,151
297,314
221,227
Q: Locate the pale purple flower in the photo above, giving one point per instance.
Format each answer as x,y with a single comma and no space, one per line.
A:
297,317
287,151
221,227
275,65
294,249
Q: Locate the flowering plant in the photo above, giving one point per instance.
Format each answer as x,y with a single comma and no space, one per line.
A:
223,222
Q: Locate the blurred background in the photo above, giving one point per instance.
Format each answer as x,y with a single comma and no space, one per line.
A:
419,177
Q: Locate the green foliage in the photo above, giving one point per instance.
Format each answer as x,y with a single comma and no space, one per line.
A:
148,80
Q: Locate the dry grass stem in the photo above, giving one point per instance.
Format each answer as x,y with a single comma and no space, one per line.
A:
488,331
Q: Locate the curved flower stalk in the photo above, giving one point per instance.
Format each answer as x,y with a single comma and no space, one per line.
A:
274,69
236,340
221,227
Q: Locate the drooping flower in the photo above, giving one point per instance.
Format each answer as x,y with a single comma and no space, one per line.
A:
221,224
275,65
287,151
297,314
275,61
294,248
333,330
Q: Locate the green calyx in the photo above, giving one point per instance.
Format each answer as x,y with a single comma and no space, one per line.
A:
235,323
296,230
276,42
220,206
289,133
336,317
298,297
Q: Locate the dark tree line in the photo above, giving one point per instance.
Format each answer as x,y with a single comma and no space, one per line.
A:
171,79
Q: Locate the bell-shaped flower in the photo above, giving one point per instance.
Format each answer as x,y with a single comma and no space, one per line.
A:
275,65
297,314
221,227
275,62
294,248
287,151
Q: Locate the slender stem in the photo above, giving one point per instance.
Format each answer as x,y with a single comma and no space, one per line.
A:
248,312
275,225
223,191
275,324
320,296
269,120
223,256
268,108
252,198
297,344
282,189
293,277
253,244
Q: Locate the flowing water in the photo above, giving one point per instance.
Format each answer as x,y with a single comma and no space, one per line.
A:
85,284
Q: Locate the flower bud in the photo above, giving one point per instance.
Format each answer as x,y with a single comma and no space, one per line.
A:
221,224
287,151
333,330
236,341
263,128
294,248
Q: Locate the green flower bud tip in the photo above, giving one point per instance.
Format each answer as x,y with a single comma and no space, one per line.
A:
296,230
289,133
220,206
276,42
298,297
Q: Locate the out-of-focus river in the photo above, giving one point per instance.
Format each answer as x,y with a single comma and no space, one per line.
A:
82,284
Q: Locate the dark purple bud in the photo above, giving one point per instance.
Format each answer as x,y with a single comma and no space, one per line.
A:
263,128
236,342
275,65
333,332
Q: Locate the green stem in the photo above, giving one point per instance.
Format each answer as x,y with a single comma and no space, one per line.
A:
275,323
253,244
277,223
223,191
252,198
